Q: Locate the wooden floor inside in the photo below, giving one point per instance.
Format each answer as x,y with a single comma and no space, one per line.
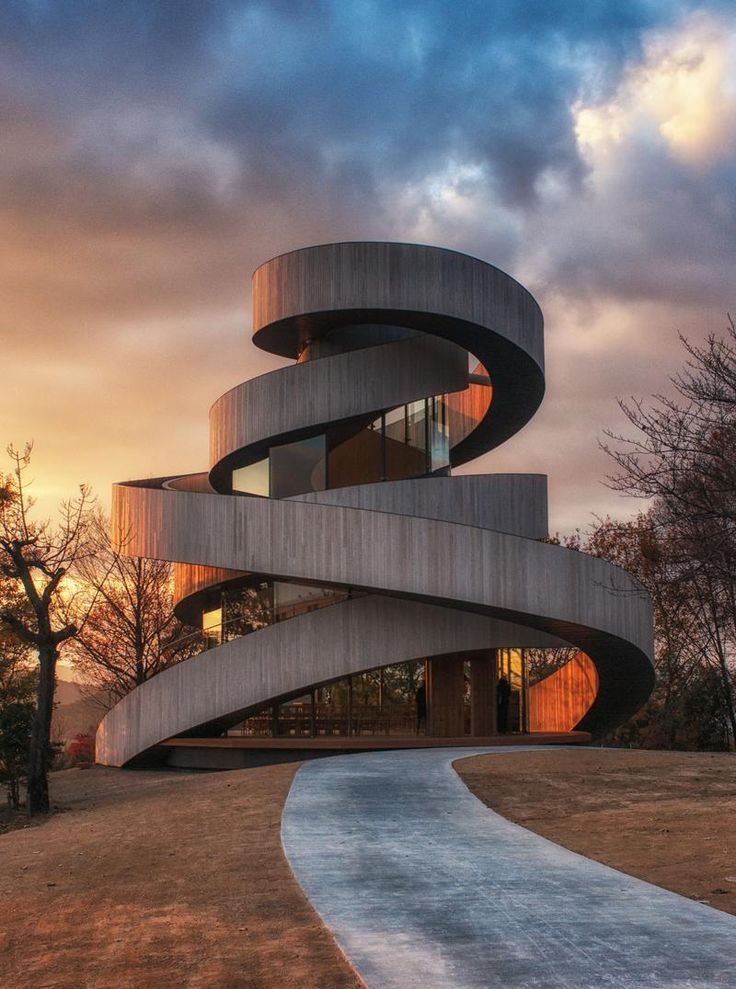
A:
367,743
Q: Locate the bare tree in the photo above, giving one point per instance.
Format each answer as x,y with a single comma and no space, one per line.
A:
681,455
682,448
129,633
36,557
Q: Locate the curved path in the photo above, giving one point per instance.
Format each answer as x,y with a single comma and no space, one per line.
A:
423,886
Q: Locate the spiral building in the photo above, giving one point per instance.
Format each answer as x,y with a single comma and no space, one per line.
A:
348,590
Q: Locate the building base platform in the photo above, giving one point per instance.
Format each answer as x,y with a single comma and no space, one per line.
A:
239,752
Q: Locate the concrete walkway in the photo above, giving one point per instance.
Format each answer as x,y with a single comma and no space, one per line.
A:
424,887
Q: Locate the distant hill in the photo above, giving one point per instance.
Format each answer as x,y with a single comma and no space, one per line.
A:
75,711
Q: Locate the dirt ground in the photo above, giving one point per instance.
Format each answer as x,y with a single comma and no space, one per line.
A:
161,880
667,817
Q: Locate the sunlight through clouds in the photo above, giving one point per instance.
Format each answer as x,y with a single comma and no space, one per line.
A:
684,90
454,206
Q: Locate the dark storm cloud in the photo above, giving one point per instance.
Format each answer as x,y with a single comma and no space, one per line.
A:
317,92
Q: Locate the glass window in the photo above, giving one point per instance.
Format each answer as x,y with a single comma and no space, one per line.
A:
290,600
357,459
439,433
252,479
416,424
294,718
212,627
395,424
381,702
296,468
511,665
246,608
404,442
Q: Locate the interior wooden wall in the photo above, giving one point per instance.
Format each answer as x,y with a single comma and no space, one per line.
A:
558,702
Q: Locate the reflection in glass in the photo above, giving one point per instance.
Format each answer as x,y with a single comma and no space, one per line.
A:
212,627
252,479
416,424
405,442
294,718
378,702
511,664
439,433
355,459
290,600
298,467
254,603
246,608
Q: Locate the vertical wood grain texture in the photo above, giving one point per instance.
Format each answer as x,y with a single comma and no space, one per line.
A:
558,702
483,714
408,278
445,691
513,503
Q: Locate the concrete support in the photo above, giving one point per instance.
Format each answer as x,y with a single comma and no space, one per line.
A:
483,695
445,688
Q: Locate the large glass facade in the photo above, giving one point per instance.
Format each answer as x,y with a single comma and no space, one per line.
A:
249,605
379,702
408,441
296,468
390,701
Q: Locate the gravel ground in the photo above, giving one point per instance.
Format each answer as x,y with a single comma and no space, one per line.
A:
154,879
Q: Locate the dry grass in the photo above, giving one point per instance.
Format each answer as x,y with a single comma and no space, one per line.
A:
666,817
159,879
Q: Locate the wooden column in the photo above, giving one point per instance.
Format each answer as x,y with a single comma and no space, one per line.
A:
483,710
445,686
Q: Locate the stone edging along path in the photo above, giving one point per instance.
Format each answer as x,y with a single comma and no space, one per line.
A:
423,886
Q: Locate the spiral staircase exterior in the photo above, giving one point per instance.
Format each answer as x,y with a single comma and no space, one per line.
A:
330,491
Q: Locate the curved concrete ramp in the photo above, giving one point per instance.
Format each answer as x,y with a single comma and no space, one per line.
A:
423,886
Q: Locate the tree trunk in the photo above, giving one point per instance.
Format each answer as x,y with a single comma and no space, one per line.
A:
38,769
725,675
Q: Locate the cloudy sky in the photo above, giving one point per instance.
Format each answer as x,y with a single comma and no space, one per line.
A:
153,153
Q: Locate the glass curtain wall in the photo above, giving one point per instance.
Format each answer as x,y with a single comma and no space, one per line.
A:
378,702
383,702
511,664
296,468
246,607
408,441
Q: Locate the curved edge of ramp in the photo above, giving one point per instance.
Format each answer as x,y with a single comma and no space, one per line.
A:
424,886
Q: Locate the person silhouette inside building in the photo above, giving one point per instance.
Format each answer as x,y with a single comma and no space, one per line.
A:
421,701
503,696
